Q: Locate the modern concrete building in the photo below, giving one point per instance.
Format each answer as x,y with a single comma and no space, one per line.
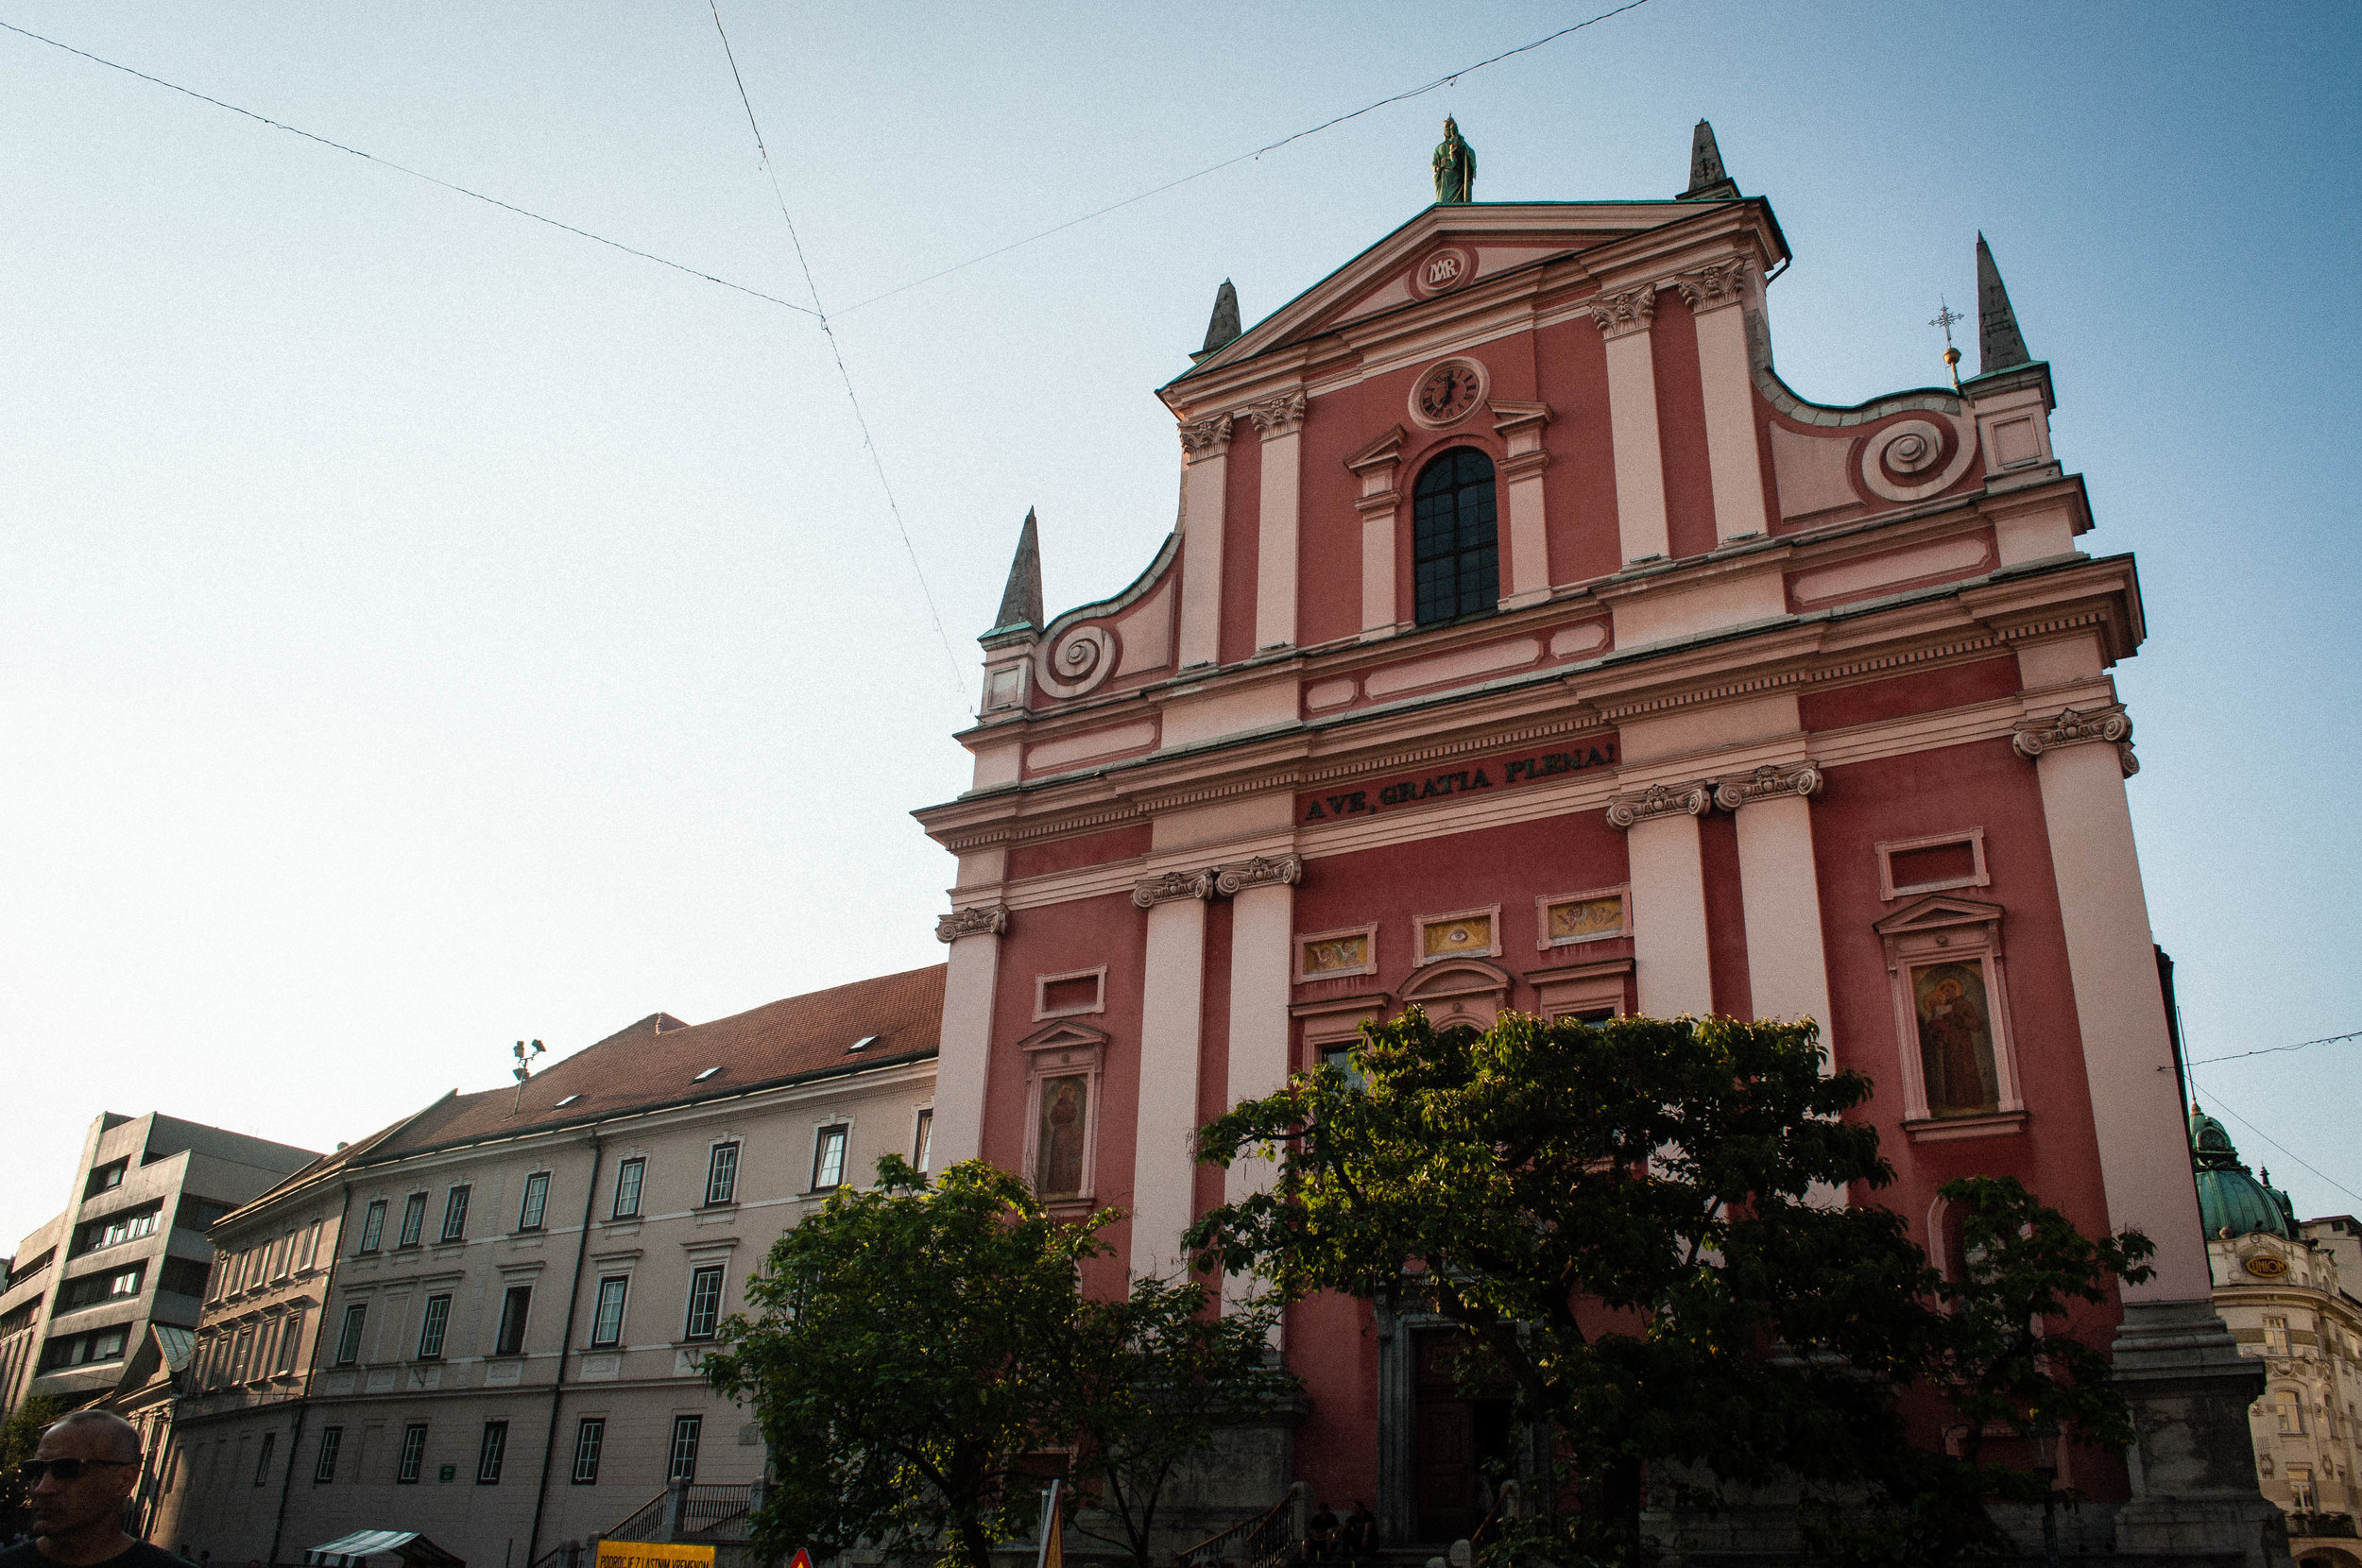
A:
485,1324
2286,1287
128,1251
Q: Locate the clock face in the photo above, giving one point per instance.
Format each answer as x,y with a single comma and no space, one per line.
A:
1448,392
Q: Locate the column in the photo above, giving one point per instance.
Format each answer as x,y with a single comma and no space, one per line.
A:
1379,504
963,1065
1263,931
2080,760
1528,557
1668,897
1716,295
1280,421
1623,321
1788,973
1206,459
1172,1008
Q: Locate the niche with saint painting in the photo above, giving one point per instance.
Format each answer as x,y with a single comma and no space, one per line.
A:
1062,1075
1951,1005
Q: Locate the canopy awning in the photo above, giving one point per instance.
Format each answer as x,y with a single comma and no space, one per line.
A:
354,1550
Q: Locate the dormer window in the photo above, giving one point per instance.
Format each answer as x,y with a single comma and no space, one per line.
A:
1455,538
702,1075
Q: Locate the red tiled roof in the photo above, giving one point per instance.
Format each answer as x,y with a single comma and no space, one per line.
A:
655,1061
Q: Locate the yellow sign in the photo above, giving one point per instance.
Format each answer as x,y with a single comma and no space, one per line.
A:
653,1554
2264,1265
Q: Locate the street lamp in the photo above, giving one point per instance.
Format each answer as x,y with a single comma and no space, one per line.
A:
2045,1441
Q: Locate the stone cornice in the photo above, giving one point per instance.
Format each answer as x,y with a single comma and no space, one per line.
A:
975,920
2109,725
1768,782
1660,800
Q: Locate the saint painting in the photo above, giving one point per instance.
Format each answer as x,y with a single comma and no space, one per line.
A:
1955,1039
1058,1164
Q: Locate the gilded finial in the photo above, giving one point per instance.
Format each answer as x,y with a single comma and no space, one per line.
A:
1944,317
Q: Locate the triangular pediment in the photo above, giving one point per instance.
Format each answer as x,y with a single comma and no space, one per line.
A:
1936,911
1063,1035
1444,250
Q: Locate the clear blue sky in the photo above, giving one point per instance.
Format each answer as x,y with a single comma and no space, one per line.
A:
424,629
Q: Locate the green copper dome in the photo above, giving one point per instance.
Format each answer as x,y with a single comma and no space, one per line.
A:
2230,1202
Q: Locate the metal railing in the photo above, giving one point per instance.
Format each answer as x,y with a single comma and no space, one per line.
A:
643,1523
1267,1541
714,1512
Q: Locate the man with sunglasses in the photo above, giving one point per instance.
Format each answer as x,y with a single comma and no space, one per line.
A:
77,1483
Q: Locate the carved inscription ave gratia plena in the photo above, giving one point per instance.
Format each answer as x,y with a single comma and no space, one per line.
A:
1492,774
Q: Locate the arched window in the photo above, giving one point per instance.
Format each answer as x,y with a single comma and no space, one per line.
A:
1455,554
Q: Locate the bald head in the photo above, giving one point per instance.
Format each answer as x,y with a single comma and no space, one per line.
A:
95,1435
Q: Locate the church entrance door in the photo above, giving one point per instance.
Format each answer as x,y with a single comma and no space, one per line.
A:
1462,1438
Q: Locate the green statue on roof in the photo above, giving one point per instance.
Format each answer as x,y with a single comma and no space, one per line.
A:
1455,167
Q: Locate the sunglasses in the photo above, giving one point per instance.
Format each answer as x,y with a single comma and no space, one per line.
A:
64,1469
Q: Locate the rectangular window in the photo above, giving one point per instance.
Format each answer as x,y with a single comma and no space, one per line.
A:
627,1179
683,1465
2276,1335
311,1246
722,1174
412,1220
923,1145
291,1341
590,1436
372,1226
489,1453
536,1199
514,1306
828,1159
431,1328
324,1465
281,1250
105,1178
607,1319
705,1301
261,1459
455,1215
413,1455
237,1358
348,1336
2289,1406
2301,1487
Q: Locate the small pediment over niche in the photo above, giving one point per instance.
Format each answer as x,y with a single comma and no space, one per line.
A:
1454,978
1936,911
1063,1036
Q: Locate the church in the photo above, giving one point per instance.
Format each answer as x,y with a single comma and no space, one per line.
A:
1527,642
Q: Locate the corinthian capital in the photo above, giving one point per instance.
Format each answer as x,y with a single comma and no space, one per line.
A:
1660,800
1262,871
1207,437
2068,727
1276,417
1628,312
976,920
1768,782
1174,885
1713,287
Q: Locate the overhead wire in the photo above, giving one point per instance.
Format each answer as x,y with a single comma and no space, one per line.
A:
836,353
2217,1101
1440,81
404,168
2275,1051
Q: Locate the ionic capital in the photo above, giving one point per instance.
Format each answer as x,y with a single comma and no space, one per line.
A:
1262,871
1660,800
1711,287
1629,312
1277,417
1175,885
1768,782
976,920
1207,437
2068,727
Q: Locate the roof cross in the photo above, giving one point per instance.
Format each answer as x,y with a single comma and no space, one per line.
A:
1944,317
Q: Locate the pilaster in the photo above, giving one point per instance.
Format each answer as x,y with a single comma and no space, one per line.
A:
1204,475
1173,997
970,983
1623,321
1280,422
1263,923
1788,971
1380,505
1716,295
1520,425
1668,896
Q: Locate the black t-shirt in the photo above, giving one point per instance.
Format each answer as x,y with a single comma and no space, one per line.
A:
138,1555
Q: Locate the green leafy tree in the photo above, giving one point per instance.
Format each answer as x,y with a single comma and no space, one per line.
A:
1156,1378
1633,1223
20,1435
908,1347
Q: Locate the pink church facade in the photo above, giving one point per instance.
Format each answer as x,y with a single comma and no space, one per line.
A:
1527,643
